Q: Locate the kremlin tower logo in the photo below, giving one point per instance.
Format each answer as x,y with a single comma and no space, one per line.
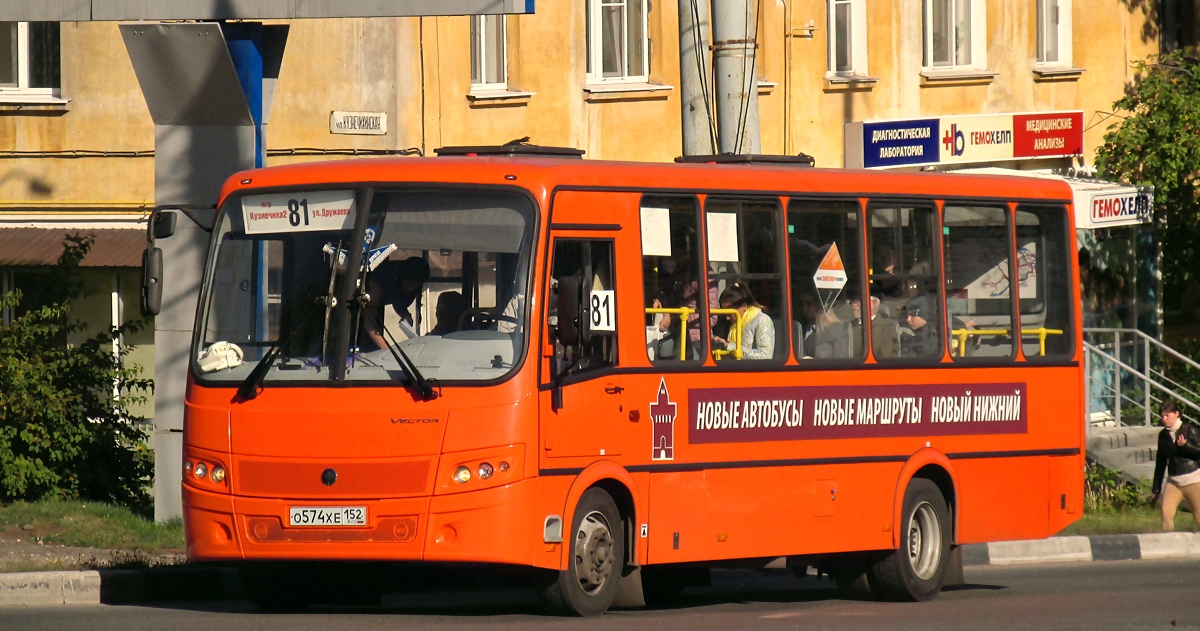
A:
662,413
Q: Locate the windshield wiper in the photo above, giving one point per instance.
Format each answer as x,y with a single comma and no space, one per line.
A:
253,383
406,365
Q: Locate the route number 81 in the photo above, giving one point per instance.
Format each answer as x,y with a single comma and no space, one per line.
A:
603,312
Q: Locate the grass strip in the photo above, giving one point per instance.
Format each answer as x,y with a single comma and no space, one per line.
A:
92,525
1128,521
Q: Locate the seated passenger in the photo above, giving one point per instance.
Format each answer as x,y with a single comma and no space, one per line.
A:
677,288
885,332
450,308
807,311
923,340
833,334
758,331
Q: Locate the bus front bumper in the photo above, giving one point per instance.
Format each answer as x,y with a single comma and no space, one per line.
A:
497,525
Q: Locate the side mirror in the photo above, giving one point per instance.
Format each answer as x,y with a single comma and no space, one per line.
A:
164,224
570,304
152,272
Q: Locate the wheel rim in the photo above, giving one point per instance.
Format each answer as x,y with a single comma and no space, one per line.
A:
924,541
594,549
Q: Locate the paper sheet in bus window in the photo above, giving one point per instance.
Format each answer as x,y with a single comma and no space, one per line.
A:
722,237
656,232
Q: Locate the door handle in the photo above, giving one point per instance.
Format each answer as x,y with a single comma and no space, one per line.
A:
611,389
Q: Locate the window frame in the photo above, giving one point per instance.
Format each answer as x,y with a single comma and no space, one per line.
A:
484,49
594,42
935,260
1062,35
778,210
23,63
960,356
805,206
857,51
977,30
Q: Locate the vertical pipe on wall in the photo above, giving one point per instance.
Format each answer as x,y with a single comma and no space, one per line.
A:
735,35
695,78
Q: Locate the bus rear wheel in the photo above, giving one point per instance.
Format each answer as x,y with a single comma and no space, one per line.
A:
589,584
916,570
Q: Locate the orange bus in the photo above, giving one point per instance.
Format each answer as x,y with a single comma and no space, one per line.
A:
619,374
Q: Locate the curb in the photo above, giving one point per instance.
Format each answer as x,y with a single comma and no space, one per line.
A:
1164,545
112,587
215,582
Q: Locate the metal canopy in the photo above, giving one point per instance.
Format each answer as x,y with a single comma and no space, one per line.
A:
126,10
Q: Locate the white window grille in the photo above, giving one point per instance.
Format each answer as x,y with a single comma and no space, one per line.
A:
618,47
847,37
1054,32
29,58
955,34
489,52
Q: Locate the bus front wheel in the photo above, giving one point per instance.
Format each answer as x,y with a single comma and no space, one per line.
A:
589,584
916,570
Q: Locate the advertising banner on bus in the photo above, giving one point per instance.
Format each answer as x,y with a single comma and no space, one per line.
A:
739,415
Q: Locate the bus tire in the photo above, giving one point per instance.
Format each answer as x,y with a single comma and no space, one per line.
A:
915,571
589,584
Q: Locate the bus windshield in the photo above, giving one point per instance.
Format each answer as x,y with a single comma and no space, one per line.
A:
441,287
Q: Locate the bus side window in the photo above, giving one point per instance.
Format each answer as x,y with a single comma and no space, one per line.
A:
671,278
591,261
904,272
978,269
828,312
1044,276
744,253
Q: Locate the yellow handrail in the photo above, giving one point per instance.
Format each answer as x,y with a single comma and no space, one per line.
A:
735,337
684,313
1041,332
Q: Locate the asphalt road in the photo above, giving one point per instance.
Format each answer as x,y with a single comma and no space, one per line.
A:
1094,596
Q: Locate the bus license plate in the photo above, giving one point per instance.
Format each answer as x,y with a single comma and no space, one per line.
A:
327,516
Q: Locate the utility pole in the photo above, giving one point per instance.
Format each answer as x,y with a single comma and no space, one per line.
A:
735,27
695,78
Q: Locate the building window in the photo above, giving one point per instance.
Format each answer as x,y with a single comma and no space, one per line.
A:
618,48
1054,32
847,37
955,34
29,58
1180,24
489,52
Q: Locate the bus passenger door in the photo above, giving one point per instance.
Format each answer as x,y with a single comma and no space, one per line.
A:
583,402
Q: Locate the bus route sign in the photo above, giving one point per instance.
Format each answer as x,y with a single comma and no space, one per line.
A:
298,211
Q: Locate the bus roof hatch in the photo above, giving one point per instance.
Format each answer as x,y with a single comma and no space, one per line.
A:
519,148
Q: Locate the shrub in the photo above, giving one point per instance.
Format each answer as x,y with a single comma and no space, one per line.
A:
65,426
1105,490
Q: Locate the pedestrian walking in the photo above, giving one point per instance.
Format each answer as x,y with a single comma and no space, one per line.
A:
1179,457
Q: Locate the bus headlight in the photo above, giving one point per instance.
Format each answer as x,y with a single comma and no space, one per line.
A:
462,475
218,474
200,470
485,471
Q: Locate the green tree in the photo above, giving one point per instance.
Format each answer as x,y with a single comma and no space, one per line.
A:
1158,143
65,426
